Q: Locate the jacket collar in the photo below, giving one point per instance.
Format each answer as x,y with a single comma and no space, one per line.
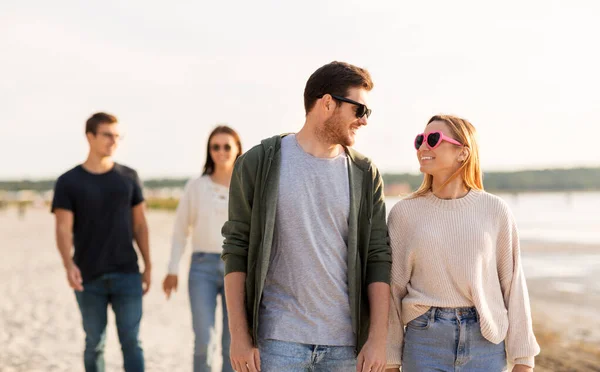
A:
357,158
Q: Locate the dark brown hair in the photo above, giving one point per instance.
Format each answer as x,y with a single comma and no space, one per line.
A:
335,78
209,166
91,125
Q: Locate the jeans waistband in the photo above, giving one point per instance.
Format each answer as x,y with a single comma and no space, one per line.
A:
451,313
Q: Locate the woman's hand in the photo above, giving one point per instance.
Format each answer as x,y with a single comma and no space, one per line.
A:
170,284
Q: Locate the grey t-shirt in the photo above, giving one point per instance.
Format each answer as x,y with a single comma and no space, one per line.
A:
305,298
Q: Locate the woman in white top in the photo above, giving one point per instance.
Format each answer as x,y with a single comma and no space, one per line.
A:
457,280
202,211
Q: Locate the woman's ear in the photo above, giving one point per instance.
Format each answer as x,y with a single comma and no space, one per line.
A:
464,154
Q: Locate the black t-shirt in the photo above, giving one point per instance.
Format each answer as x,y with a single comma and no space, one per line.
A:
103,221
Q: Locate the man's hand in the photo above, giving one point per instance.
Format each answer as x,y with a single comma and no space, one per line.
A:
372,357
244,356
74,276
170,284
146,280
522,368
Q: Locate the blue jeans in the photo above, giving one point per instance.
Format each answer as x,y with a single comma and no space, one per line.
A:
278,356
449,339
207,271
124,293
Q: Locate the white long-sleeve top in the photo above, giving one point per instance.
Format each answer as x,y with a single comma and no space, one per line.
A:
460,253
203,211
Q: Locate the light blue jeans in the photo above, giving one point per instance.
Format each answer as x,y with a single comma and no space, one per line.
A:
123,291
205,284
450,340
279,356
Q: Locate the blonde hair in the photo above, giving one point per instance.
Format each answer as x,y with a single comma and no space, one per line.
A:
470,170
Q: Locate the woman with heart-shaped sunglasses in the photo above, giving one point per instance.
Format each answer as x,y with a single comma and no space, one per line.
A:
459,297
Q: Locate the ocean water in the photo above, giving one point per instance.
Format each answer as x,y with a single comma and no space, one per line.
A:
558,218
553,217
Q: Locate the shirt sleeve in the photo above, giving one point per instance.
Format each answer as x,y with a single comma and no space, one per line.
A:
379,258
62,199
137,196
236,229
400,277
521,344
181,228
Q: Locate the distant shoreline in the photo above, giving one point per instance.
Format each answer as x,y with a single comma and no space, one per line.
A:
29,198
579,179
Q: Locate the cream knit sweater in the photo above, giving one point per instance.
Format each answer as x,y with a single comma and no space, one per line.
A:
459,253
201,213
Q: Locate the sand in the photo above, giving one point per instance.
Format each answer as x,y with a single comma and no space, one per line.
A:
40,324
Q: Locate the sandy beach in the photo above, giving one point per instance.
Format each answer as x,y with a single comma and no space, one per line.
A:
40,324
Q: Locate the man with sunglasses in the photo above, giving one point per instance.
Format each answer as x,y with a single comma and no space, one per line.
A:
307,260
99,210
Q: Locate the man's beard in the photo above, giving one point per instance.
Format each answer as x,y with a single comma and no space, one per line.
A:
332,131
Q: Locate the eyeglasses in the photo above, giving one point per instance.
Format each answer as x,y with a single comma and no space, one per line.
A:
361,111
433,139
111,136
216,147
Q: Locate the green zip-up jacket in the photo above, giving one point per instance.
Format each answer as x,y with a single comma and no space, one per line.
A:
249,231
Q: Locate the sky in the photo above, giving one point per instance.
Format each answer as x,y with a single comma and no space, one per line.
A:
525,73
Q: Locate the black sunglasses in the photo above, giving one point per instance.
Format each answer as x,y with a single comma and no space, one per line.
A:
216,147
361,111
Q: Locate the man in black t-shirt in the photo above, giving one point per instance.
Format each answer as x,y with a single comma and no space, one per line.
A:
99,209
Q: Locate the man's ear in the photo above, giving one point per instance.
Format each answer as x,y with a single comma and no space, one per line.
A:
327,102
90,136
